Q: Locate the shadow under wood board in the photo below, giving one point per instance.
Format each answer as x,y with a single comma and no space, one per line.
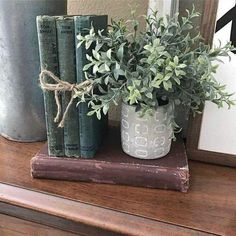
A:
207,25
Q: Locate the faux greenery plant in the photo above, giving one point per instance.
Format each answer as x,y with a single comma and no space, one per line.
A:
162,64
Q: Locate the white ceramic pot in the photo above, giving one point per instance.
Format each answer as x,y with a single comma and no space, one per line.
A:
147,137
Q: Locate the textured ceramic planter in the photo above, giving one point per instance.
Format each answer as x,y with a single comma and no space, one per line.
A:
147,137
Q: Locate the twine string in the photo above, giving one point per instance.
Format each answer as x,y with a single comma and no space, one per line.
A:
77,90
56,119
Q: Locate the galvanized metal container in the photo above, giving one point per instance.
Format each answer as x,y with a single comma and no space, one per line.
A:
21,100
147,137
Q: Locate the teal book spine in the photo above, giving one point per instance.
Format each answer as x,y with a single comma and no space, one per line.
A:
90,126
101,126
67,65
47,38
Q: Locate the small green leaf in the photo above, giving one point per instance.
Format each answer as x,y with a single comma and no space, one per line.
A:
167,76
153,69
95,68
177,72
117,73
156,42
166,86
157,83
160,62
106,80
117,66
107,68
98,113
88,44
159,76
149,48
98,46
109,53
89,58
137,82
176,60
143,90
96,54
91,31
187,27
87,66
182,66
90,113
149,95
80,37
105,109
177,80
102,69
130,88
120,52
137,93
169,68
79,44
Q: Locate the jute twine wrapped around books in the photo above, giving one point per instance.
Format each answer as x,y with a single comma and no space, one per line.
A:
77,90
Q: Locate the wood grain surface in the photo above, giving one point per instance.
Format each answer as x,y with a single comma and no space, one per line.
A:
46,219
90,215
210,205
12,226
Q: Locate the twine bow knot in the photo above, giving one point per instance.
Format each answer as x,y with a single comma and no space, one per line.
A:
77,90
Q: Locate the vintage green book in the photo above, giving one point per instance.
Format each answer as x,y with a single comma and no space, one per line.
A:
67,65
47,38
101,126
91,129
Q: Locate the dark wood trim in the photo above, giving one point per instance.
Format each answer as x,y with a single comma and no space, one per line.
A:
52,221
213,157
193,134
16,201
208,22
14,226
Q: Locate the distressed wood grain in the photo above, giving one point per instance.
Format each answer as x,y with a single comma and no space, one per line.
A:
211,198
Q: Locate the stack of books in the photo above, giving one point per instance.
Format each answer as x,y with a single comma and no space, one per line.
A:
82,134
112,166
